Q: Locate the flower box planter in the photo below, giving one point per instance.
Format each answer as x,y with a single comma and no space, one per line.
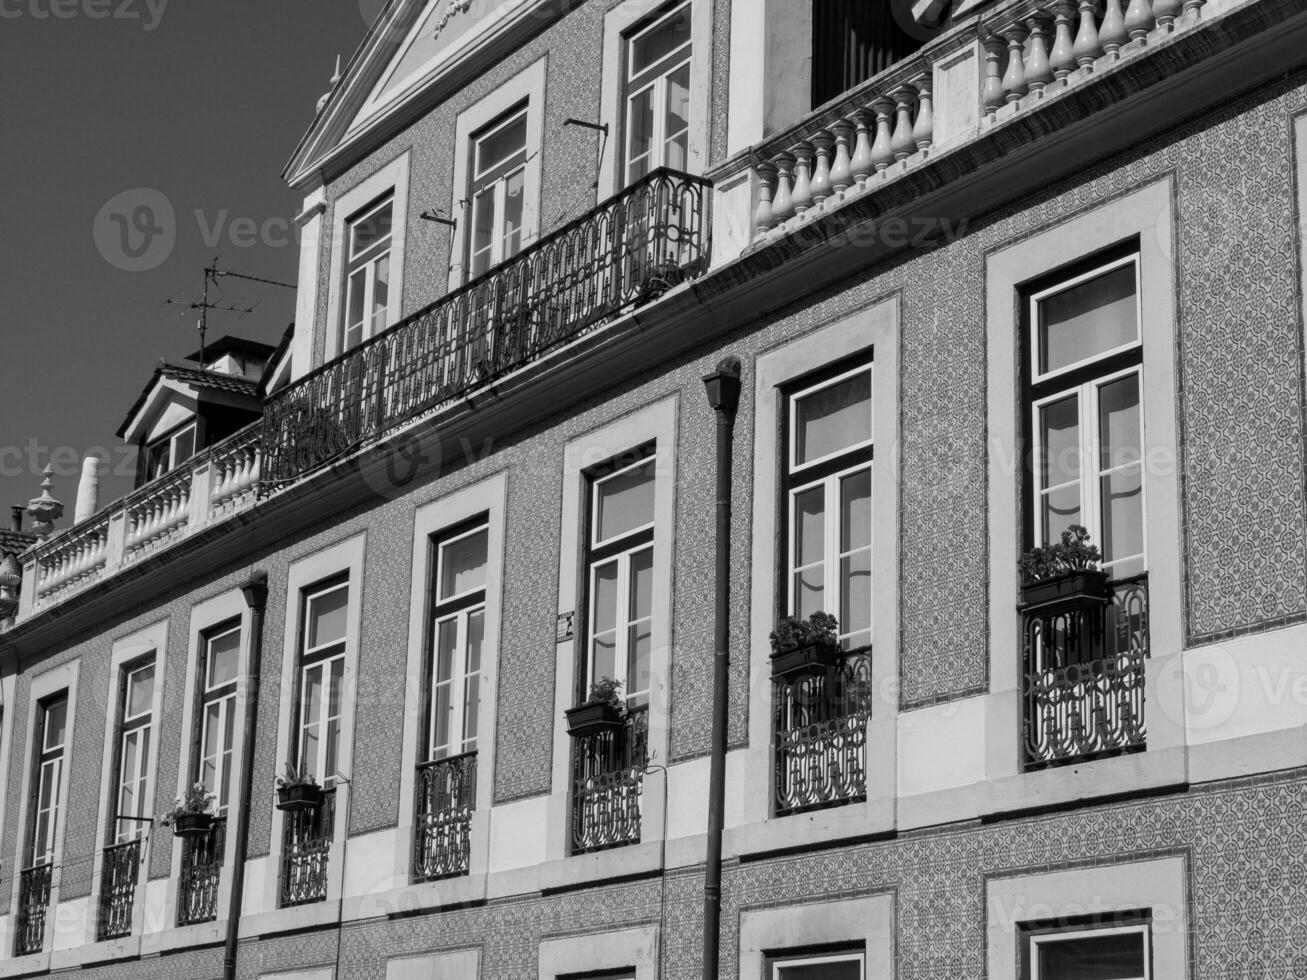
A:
591,719
811,658
1066,593
192,824
299,796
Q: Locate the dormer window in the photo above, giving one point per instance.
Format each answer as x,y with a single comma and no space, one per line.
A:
498,184
170,452
367,274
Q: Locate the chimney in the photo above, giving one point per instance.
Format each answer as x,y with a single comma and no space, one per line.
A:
88,490
16,518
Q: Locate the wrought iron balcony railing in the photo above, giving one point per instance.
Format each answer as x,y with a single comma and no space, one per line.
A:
607,780
820,736
305,852
197,892
446,799
118,874
628,250
1084,677
33,901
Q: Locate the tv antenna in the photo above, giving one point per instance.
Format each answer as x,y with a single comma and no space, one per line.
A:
211,274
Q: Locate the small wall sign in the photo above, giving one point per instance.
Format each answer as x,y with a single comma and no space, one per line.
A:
564,632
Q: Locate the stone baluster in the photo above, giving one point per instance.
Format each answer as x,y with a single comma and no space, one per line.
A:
923,131
1193,10
902,143
1038,70
1088,46
1014,80
882,153
820,185
1165,12
1139,19
801,196
992,92
782,205
841,172
1111,32
1062,61
861,165
762,214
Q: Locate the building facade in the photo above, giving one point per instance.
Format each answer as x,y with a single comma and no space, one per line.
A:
989,271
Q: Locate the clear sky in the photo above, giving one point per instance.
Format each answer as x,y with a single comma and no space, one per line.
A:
198,102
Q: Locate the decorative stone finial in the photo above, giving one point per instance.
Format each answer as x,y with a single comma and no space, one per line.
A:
11,577
45,510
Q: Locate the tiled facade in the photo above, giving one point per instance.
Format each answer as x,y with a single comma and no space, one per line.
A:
1241,415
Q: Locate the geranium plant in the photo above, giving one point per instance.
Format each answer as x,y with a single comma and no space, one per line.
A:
295,777
607,690
196,800
1072,554
790,633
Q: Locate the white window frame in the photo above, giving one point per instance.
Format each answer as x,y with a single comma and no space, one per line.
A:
830,958
1051,938
458,742
367,260
497,188
1063,286
142,732
313,659
624,559
527,86
673,61
47,757
226,700
172,460
794,466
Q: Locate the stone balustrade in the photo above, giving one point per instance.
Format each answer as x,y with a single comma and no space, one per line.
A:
974,77
215,484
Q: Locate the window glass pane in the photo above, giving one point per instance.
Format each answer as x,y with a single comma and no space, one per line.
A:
513,197
833,418
809,526
1112,957
471,703
855,592
677,118
183,446
640,130
224,658
1097,315
209,745
626,501
476,632
370,229
127,775
380,293
653,45
605,597
855,511
1118,423
1061,509
640,631
335,694
1059,428
1123,514
327,617
809,594
463,564
56,722
846,970
140,691
441,709
501,145
446,641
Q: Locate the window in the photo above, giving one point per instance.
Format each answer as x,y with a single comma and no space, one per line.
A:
219,670
170,452
658,94
1085,357
619,574
321,678
51,735
134,732
828,501
367,272
498,169
837,966
458,634
1120,953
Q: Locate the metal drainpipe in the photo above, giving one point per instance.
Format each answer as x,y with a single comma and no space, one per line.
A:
723,387
256,597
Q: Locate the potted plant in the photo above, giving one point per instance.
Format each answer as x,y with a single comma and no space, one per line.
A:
801,646
192,814
1064,575
298,790
604,708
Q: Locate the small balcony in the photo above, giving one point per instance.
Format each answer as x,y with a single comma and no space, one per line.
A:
305,852
446,799
33,902
625,252
608,767
197,891
819,725
118,876
1084,675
